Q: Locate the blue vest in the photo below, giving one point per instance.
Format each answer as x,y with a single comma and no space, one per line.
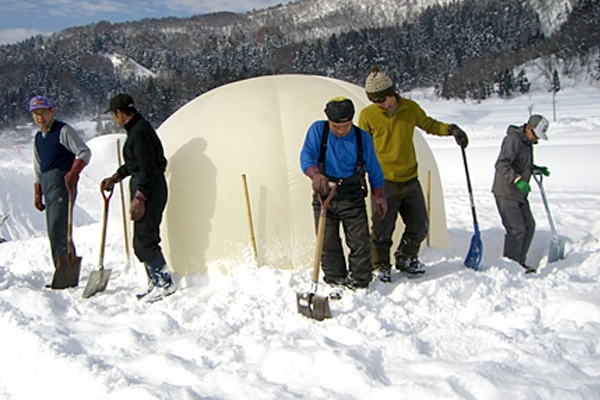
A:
52,154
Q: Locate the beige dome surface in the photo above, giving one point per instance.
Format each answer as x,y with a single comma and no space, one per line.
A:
255,127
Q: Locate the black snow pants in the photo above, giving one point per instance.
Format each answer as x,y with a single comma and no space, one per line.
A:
351,212
146,231
406,199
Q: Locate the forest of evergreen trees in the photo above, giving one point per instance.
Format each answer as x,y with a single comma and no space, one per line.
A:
467,49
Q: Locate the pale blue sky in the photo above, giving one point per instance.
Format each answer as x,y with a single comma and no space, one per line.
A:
22,19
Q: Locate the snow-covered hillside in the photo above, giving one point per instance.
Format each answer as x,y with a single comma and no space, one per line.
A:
328,16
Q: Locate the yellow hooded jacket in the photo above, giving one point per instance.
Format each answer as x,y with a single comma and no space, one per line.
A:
393,136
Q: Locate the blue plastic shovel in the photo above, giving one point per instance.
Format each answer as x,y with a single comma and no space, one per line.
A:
473,258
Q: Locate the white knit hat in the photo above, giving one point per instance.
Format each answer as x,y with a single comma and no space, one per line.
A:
378,85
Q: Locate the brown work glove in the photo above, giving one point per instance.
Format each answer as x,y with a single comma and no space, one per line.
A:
138,206
107,184
320,183
38,202
380,202
72,177
459,135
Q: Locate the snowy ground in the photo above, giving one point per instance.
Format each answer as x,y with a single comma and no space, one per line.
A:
452,334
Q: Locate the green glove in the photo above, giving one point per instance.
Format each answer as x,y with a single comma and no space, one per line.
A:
543,170
523,186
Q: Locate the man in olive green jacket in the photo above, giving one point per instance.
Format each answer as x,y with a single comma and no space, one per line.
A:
391,120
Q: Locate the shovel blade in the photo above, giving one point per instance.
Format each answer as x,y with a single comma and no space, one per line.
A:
313,306
66,274
96,283
556,251
473,258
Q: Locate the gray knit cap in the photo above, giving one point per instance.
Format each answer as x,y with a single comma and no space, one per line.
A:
378,85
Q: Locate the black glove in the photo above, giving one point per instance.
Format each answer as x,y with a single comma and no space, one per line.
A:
459,135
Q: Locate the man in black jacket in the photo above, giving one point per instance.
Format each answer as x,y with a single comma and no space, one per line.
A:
514,168
145,163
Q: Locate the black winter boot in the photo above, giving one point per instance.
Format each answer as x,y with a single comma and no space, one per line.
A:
410,264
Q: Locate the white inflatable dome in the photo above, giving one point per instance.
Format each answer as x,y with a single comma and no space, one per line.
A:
255,127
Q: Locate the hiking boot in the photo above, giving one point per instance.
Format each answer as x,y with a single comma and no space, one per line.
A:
528,269
354,285
336,281
158,293
383,273
410,264
140,296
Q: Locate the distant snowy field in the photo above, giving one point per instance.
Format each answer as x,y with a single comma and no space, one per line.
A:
452,334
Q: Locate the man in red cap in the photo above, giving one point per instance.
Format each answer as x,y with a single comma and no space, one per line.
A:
59,157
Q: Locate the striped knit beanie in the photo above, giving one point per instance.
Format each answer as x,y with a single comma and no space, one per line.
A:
378,84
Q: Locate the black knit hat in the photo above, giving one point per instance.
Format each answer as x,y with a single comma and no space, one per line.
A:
339,109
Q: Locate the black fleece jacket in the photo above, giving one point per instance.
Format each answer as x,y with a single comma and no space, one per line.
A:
143,155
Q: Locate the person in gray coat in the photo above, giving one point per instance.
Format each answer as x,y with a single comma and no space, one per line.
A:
514,168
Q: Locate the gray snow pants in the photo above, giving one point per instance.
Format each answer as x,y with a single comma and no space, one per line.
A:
56,199
520,227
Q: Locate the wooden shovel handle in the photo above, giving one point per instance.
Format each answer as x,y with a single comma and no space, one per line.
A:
106,197
71,191
104,219
321,231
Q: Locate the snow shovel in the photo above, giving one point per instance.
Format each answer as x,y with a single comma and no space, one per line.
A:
473,258
99,279
310,304
67,266
557,245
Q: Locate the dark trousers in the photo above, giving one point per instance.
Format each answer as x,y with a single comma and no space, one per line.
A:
520,227
146,231
56,199
352,214
406,199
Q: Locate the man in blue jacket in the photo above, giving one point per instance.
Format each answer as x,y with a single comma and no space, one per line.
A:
146,164
59,156
337,151
514,168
